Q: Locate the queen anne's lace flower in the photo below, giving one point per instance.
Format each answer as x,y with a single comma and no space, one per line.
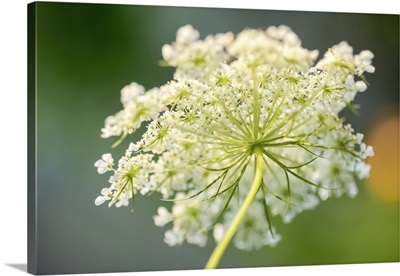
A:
246,120
105,163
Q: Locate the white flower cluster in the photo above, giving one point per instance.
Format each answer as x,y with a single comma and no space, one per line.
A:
232,96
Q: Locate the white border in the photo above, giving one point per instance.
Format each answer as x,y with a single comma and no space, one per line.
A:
13,133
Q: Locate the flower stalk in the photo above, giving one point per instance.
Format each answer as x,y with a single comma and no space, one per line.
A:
223,244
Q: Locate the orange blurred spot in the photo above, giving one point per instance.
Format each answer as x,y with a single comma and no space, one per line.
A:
384,176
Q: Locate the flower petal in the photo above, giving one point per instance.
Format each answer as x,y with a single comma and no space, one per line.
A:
100,200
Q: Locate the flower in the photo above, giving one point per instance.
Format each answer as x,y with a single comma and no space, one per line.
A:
189,218
248,129
105,195
104,164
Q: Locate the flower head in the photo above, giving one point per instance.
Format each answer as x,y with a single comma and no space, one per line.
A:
239,109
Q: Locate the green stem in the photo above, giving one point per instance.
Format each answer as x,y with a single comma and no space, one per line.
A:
221,247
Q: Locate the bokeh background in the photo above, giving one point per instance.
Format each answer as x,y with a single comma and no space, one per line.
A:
87,52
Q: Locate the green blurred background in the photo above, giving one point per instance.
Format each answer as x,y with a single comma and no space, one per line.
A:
87,52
